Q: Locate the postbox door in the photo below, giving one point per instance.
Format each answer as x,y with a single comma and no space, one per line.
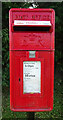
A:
25,98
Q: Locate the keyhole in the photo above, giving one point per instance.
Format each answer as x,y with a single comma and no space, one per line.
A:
19,79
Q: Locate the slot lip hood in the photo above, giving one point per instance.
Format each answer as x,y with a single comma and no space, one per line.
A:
31,23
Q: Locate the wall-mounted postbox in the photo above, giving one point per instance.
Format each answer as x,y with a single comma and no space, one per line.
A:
31,33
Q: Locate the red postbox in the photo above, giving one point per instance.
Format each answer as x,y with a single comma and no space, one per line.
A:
31,33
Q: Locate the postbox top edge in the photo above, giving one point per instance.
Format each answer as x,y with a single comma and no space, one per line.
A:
30,10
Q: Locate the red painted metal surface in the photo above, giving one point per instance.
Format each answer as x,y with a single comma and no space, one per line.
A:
23,41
